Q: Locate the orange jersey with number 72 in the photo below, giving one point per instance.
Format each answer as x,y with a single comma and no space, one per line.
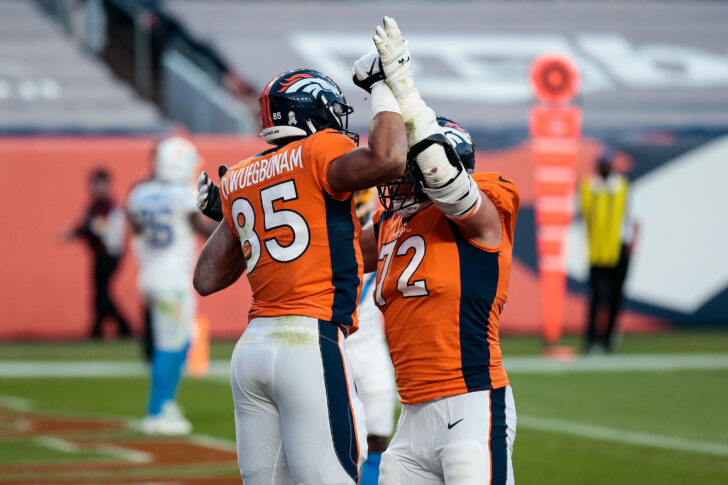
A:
441,295
300,239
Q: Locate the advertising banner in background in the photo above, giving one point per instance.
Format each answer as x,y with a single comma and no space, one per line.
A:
45,285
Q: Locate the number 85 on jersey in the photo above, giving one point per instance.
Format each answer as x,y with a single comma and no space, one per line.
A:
244,218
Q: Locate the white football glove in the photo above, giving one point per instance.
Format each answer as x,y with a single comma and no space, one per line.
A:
395,58
203,191
366,71
369,77
208,196
419,118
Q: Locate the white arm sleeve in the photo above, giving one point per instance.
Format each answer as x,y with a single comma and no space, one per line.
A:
458,199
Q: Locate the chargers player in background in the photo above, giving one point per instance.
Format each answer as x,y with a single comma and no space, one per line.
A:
163,214
370,363
442,249
290,225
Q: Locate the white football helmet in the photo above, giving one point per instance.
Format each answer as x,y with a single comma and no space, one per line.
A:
175,160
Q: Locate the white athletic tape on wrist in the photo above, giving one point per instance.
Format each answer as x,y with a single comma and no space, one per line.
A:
403,86
383,99
459,199
420,120
436,169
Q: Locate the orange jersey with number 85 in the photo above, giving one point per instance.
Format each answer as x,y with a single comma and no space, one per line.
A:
300,239
441,295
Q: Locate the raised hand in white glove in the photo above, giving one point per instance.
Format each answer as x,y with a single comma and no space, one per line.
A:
366,71
369,76
208,195
395,58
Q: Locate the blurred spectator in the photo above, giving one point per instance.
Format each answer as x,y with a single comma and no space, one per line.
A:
103,229
612,230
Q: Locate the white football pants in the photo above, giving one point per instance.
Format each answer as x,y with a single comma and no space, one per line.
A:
297,416
458,440
372,366
172,312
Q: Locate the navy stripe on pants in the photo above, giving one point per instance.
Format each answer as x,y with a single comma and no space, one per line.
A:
498,437
341,414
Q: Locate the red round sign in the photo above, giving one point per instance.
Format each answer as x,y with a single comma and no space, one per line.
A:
555,78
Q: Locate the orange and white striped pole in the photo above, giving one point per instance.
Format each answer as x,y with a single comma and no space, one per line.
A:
555,128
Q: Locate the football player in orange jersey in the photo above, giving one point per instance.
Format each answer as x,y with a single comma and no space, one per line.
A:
290,225
442,249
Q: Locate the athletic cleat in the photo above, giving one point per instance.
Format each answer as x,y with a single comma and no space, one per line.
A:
170,422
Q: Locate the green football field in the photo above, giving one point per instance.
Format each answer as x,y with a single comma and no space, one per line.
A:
656,412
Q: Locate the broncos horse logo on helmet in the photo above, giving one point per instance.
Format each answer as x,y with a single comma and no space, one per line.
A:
460,140
405,193
301,102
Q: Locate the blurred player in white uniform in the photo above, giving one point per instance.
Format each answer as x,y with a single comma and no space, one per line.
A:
163,213
370,362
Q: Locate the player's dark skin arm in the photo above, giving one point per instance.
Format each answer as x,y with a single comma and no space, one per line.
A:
368,244
202,225
384,159
221,262
484,227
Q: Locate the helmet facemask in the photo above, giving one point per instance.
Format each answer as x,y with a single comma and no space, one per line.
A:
403,195
336,113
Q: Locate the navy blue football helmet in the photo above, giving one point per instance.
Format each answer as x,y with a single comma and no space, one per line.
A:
460,140
406,191
301,102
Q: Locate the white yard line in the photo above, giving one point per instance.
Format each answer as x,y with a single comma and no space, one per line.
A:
617,363
65,446
52,369
123,453
55,443
637,438
527,364
220,369
212,442
17,404
135,456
